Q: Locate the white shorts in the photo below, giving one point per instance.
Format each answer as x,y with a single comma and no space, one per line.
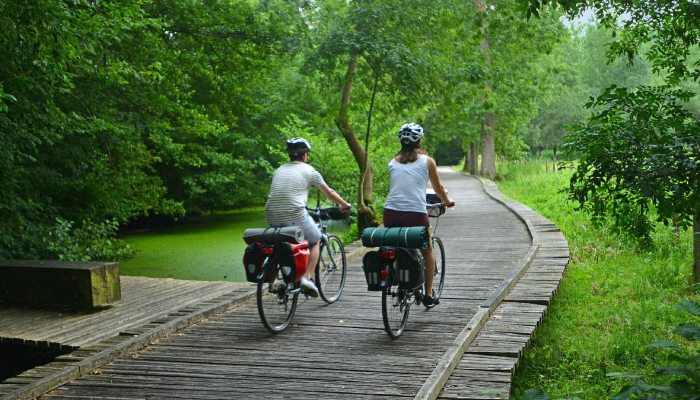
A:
311,232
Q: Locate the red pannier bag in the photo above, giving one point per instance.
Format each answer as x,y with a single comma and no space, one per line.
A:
292,259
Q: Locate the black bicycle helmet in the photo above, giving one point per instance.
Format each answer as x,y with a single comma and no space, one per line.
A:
298,145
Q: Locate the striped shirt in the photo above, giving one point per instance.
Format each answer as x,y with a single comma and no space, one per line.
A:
290,191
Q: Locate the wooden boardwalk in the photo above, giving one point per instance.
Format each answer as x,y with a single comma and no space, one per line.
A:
143,300
341,350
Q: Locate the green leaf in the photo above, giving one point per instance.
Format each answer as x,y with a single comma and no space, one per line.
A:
673,371
663,344
620,375
691,307
688,331
535,394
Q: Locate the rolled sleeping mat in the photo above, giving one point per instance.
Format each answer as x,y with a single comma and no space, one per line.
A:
291,234
414,237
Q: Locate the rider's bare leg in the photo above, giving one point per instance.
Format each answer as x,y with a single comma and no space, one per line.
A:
314,250
429,258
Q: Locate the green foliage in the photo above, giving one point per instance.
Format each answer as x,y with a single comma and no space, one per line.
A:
518,74
90,242
614,298
641,157
119,109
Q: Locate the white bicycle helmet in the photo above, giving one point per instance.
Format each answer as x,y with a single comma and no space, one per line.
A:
298,145
410,133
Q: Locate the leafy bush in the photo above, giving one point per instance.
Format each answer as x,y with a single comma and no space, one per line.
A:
350,236
686,374
91,242
640,159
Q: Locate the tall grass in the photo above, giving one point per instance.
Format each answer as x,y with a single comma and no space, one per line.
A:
617,295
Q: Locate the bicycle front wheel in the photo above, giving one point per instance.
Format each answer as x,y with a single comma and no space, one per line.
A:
439,276
396,304
276,305
331,270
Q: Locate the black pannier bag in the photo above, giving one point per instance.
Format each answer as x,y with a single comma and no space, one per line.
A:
411,268
373,263
253,260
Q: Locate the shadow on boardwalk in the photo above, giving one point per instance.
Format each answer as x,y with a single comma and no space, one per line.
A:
341,350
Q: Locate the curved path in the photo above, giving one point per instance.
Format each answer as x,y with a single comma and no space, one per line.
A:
341,350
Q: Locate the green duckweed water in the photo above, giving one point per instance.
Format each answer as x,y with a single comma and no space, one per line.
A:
207,249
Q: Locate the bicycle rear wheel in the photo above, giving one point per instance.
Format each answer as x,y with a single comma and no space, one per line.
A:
439,276
276,305
331,270
396,304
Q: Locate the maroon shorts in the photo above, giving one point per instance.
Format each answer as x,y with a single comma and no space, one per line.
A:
400,219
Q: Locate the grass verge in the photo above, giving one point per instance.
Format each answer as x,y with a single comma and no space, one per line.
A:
617,296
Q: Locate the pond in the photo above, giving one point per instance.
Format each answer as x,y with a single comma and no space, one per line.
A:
209,248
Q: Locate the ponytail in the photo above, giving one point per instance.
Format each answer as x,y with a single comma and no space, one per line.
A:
410,151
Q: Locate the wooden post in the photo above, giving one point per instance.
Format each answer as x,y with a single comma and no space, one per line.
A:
73,283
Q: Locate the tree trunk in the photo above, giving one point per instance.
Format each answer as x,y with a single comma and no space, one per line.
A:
465,167
488,147
366,217
676,227
696,246
474,158
488,140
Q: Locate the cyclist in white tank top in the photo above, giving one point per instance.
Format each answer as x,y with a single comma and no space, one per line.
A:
409,172
408,183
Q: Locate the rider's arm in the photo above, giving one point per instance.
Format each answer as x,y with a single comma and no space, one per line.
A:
437,185
333,196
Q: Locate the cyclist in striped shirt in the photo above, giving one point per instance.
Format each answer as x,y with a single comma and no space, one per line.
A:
286,203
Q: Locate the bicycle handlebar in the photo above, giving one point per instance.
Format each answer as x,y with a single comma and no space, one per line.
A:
323,209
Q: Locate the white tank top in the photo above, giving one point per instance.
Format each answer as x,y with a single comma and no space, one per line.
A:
408,184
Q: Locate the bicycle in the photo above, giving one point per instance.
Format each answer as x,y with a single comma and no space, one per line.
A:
277,300
396,302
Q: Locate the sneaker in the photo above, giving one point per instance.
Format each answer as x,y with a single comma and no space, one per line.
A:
309,286
430,300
